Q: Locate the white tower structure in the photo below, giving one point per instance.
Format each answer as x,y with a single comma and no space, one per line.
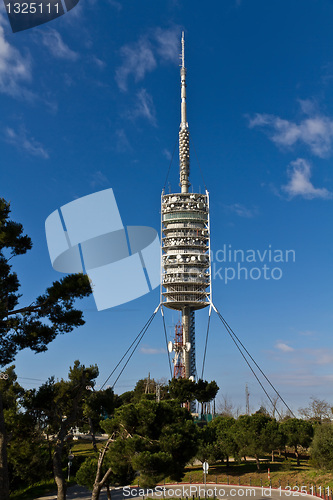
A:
186,276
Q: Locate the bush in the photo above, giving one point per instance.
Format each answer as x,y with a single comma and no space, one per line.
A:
322,447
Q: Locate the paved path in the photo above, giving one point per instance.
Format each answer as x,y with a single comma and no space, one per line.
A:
221,491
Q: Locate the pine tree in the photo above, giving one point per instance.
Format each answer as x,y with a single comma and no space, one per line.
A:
32,326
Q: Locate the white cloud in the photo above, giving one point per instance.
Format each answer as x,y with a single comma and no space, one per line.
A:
151,350
144,106
168,42
309,357
99,179
307,333
141,56
122,143
15,68
314,130
52,39
138,58
241,210
115,4
320,356
303,378
167,154
283,347
101,64
299,173
308,106
23,142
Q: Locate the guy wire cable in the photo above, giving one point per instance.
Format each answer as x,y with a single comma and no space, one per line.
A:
246,361
204,358
128,349
166,340
135,347
263,374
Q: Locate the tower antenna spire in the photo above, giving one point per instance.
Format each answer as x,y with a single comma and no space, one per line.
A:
183,123
184,136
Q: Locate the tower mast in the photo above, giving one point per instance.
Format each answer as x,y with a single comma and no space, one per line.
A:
184,135
185,243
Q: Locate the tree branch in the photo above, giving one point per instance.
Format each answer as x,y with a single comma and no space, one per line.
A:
106,476
26,309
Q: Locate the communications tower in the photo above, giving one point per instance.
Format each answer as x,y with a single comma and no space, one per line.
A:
186,276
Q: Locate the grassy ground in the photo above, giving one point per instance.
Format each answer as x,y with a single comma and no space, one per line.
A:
282,473
80,448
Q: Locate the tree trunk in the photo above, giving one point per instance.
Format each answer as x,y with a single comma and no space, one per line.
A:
66,424
49,446
99,483
4,482
57,470
272,455
297,456
92,432
108,491
257,462
96,491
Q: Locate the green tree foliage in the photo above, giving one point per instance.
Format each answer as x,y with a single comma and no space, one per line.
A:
225,441
86,474
119,474
107,468
28,453
33,326
154,439
208,447
298,433
255,435
182,389
274,436
154,428
205,392
322,447
58,406
97,405
185,390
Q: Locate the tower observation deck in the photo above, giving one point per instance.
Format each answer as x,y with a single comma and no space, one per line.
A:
186,276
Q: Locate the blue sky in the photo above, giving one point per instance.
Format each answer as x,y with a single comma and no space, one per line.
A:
91,101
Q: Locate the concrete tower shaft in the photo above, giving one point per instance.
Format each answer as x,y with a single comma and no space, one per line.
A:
185,241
